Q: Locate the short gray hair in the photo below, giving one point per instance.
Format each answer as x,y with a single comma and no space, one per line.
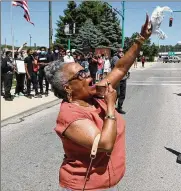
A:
56,77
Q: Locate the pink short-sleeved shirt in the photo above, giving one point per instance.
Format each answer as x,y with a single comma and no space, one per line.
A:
106,170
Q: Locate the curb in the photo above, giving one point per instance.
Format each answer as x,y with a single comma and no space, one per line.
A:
20,117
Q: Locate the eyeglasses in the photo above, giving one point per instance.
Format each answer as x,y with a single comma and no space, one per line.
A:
80,75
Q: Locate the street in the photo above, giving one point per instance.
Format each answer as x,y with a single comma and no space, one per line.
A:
31,152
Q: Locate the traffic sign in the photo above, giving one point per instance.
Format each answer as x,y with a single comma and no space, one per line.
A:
171,53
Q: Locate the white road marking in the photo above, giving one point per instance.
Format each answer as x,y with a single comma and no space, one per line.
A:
164,77
165,69
149,84
154,81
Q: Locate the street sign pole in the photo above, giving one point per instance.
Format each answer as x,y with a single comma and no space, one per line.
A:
68,42
50,23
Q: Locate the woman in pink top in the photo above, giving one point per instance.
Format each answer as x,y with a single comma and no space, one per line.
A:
100,67
83,116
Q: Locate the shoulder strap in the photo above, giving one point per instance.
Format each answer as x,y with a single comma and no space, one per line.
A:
92,156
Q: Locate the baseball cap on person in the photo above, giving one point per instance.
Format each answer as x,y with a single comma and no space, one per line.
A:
67,51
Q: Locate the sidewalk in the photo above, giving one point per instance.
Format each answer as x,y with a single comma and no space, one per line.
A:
139,66
21,104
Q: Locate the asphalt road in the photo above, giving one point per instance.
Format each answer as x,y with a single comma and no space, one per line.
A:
31,152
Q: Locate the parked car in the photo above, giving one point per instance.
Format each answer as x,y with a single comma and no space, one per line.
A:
171,59
175,59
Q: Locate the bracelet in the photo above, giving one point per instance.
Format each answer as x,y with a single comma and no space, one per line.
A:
112,117
140,39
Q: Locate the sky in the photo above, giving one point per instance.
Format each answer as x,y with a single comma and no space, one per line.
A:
134,18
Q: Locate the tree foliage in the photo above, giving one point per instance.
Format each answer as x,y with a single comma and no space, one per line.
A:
110,28
89,35
104,21
167,48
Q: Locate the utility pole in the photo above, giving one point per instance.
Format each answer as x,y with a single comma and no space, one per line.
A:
50,23
5,42
30,39
123,17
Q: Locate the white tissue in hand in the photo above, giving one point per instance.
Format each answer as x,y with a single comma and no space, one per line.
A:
156,20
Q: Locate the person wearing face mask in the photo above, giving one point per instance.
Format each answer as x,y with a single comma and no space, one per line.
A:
43,60
68,58
7,68
56,54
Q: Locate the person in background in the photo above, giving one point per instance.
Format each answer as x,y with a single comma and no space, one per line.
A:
143,61
121,87
30,74
74,54
2,75
92,66
84,62
135,63
78,58
43,60
50,54
20,77
36,67
62,53
7,68
107,66
38,51
68,58
56,53
100,65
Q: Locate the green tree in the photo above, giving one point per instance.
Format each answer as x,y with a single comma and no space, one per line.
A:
93,10
89,33
110,28
97,11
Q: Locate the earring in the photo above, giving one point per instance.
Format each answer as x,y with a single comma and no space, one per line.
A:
69,96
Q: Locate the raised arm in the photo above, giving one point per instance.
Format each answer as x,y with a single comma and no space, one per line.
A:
20,48
123,65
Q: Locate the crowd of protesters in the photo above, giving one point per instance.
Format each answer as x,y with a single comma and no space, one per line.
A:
34,78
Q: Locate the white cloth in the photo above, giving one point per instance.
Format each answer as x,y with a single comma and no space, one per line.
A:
107,65
156,20
68,59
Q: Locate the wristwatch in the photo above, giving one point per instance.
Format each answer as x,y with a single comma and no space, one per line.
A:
112,117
